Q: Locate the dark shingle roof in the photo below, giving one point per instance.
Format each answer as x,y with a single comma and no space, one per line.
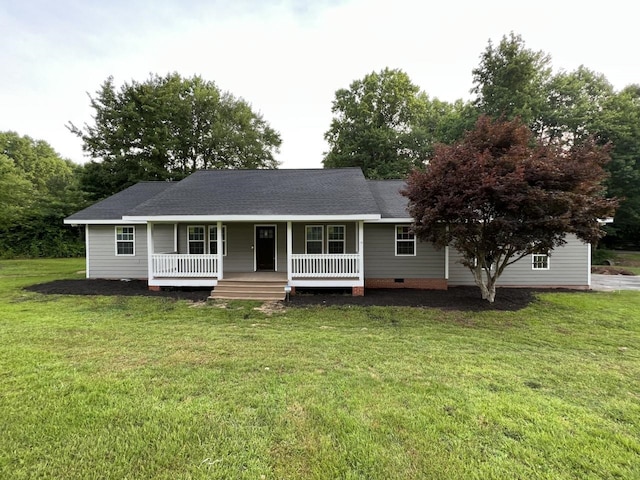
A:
391,203
303,192
265,192
119,204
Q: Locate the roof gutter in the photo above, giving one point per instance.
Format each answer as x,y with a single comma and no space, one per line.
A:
247,218
75,222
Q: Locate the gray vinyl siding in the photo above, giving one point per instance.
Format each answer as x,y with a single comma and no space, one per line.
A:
380,260
299,233
568,266
240,238
240,241
103,261
163,238
282,246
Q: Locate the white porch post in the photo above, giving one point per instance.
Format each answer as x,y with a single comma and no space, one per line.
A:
175,238
220,250
150,250
361,252
289,251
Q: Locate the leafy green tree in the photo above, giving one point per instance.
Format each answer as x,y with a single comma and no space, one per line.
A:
38,189
575,103
501,194
619,124
444,122
15,192
373,126
511,81
568,108
584,104
167,127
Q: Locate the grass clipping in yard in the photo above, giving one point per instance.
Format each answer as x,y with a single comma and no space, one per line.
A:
135,387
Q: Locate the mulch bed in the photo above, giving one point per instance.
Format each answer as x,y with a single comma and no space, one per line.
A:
128,288
456,298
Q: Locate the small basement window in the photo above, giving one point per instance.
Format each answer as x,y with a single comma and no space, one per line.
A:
125,241
540,261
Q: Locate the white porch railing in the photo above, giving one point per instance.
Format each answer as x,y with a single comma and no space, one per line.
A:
345,265
184,265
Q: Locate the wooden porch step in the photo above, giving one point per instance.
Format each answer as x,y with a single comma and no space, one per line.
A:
249,290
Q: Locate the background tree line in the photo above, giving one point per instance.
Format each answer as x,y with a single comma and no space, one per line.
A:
386,125
161,129
164,128
38,189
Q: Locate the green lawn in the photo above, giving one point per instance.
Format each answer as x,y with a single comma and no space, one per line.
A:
101,387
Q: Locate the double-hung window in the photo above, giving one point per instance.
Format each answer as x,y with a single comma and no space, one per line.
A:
335,239
314,238
405,241
125,240
540,261
213,239
195,239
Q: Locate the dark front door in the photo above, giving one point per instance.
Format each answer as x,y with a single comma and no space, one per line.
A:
266,248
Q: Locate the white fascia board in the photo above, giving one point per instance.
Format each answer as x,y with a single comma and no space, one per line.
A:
249,218
102,222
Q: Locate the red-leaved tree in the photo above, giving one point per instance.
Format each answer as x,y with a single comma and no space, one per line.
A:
499,195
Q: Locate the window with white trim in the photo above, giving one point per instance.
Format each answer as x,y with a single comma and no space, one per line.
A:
405,241
195,239
335,238
540,261
314,238
213,239
125,240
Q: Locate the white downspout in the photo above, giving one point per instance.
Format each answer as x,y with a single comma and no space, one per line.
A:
86,248
589,265
446,262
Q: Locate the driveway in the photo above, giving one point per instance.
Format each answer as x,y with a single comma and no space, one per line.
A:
609,283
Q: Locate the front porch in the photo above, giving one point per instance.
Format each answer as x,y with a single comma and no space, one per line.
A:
306,270
255,252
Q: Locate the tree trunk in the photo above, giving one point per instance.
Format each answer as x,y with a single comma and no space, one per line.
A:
487,285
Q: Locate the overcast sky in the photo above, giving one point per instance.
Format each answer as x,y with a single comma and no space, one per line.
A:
287,58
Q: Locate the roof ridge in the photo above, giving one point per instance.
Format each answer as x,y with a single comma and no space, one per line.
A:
274,169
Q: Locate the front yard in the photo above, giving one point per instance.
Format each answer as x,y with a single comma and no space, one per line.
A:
148,387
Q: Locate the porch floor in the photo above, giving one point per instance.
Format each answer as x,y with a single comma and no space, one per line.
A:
256,276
